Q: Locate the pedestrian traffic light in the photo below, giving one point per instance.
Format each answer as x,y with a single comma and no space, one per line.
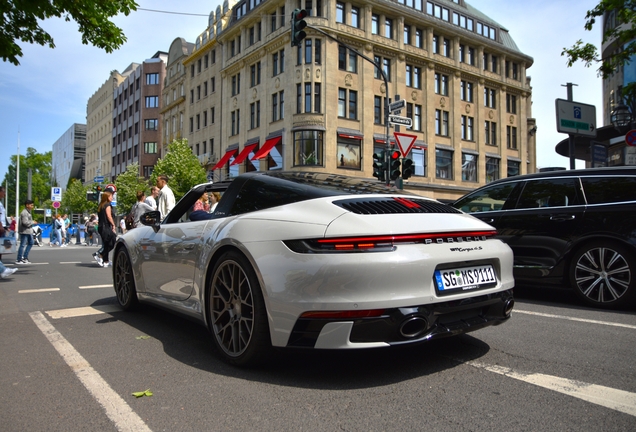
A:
394,165
298,23
98,188
407,170
379,167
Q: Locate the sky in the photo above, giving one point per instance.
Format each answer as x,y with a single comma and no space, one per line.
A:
48,92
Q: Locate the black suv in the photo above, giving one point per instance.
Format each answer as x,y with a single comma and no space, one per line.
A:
573,227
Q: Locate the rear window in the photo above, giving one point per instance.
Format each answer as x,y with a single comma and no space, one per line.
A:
605,190
554,192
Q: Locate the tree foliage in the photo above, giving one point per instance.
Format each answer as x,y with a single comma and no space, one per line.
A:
40,165
128,183
182,168
74,199
21,21
622,35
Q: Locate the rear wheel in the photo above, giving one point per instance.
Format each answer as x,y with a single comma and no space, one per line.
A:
604,275
236,311
124,281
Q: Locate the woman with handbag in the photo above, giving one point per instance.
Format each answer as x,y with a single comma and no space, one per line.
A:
106,228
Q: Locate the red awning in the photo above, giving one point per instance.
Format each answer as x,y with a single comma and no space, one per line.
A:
267,147
226,157
243,155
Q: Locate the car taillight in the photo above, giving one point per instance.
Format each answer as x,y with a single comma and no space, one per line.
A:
383,243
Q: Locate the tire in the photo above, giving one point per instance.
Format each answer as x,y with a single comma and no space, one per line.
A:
124,281
603,274
236,312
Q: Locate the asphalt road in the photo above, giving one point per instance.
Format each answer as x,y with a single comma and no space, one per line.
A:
71,360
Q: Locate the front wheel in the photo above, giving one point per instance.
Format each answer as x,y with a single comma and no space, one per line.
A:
236,312
124,281
603,275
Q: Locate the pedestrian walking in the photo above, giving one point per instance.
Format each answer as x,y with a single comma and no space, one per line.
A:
151,200
4,272
66,229
57,229
25,229
166,197
106,229
91,230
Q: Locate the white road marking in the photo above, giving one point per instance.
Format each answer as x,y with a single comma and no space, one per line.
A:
607,323
117,410
70,262
96,286
37,290
608,397
82,311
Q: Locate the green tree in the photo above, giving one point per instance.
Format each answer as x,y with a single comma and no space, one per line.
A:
182,168
128,183
21,21
622,35
40,165
74,199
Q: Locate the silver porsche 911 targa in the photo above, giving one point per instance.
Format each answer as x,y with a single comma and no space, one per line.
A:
312,260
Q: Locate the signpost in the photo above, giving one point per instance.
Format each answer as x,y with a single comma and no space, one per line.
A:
405,121
98,179
56,194
397,105
575,118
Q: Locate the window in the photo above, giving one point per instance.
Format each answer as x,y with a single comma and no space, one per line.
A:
150,147
511,103
255,114
255,74
418,155
235,119
148,170
511,137
407,34
378,109
492,169
340,12
466,91
491,132
490,97
278,62
278,106
441,122
414,112
349,153
308,148
152,78
151,124
352,104
386,67
191,124
198,92
236,84
443,164
419,38
514,168
388,28
347,60
355,17
413,76
152,101
447,48
375,24
469,167
198,121
467,128
441,84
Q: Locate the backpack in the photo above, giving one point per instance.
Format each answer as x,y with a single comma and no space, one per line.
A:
130,219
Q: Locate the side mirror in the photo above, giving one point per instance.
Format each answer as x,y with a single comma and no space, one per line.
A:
151,219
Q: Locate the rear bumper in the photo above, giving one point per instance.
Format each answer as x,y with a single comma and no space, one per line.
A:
405,325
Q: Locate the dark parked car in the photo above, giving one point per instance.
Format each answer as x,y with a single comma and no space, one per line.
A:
575,227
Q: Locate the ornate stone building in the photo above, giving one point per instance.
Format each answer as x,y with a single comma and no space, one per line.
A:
254,102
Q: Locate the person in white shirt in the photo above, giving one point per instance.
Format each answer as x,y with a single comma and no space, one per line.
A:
166,199
151,200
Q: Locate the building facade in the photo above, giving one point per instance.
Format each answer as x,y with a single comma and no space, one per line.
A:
99,129
254,102
68,156
136,122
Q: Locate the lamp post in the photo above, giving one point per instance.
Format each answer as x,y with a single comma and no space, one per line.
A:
621,118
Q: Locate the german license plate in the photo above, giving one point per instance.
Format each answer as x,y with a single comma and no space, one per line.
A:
465,278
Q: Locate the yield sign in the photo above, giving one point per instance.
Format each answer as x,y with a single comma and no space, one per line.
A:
405,142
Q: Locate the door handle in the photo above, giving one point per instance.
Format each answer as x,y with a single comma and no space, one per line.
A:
561,218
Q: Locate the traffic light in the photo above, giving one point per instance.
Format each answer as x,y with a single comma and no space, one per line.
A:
407,170
98,188
92,196
298,23
379,168
394,165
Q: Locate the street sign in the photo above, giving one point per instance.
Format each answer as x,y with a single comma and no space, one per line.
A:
56,204
630,137
111,187
575,118
397,105
405,142
405,121
98,179
56,193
